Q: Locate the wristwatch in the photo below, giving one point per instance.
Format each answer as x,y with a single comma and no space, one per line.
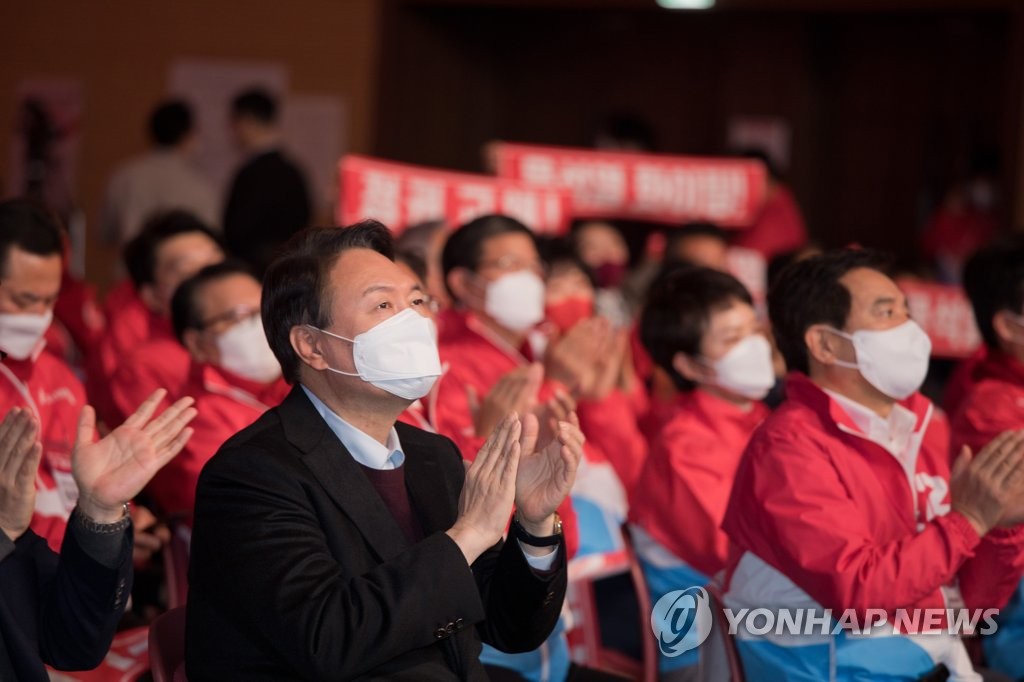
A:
534,541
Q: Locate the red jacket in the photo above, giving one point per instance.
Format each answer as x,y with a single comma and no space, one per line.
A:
684,488
51,391
995,402
962,381
225,405
473,358
834,513
161,362
779,227
129,324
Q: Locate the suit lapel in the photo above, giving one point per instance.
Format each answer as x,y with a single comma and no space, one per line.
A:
340,475
424,477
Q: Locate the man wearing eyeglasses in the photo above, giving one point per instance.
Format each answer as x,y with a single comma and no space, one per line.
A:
234,376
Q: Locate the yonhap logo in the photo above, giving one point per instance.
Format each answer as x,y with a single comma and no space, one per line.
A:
681,620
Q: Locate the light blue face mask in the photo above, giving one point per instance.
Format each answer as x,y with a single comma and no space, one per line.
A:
398,355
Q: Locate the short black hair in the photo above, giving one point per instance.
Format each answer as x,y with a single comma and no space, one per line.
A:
994,280
416,238
140,253
414,261
559,251
185,304
30,227
296,285
678,311
170,122
465,245
676,236
809,292
255,103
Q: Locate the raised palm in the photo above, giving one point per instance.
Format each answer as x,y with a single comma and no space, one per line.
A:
111,471
546,474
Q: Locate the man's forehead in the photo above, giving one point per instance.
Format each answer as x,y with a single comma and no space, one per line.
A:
358,270
23,265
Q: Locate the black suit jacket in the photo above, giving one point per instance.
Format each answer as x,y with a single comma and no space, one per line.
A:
299,571
62,610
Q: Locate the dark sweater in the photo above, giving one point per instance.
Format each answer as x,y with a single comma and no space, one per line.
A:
390,485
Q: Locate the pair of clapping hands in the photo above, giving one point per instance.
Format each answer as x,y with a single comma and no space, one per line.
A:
108,472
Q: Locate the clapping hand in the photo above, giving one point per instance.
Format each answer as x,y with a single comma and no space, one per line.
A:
111,471
20,452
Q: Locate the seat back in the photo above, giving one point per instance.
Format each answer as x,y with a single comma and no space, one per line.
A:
167,645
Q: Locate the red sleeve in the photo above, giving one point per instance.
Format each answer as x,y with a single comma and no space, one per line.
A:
989,579
448,410
789,503
611,426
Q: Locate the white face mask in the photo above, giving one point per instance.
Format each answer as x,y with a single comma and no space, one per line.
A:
516,300
244,351
399,355
22,333
746,369
895,361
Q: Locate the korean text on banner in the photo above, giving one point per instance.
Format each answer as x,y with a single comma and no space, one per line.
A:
400,195
654,187
945,312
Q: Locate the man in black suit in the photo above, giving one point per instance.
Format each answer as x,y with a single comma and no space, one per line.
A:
331,542
63,610
269,200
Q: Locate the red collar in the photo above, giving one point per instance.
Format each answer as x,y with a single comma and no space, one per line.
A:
800,389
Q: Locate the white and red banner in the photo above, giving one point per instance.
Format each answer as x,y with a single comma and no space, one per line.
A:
400,195
945,312
655,187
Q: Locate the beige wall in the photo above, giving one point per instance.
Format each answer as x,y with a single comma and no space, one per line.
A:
121,50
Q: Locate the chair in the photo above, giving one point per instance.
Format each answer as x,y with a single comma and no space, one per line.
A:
719,658
167,646
176,566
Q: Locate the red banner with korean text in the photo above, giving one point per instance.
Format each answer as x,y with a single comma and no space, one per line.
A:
945,312
655,187
400,195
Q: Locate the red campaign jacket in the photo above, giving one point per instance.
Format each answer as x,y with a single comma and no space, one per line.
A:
684,488
51,391
613,434
994,404
835,514
129,325
778,229
159,363
471,358
962,381
225,405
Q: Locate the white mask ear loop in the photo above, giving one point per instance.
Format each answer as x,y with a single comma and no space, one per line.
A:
848,337
337,336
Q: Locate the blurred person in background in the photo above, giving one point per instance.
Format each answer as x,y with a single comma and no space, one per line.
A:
233,378
141,351
162,180
965,220
269,199
994,403
700,327
698,243
497,359
779,225
426,241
